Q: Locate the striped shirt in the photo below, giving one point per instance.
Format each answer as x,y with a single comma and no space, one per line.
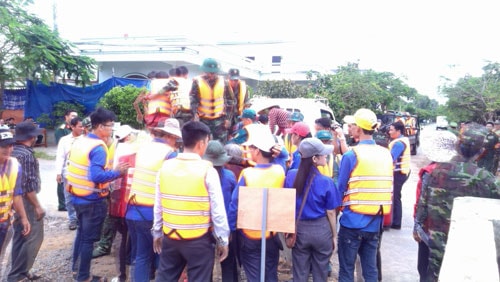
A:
30,168
278,117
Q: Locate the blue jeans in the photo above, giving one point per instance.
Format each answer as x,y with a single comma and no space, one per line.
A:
250,258
352,242
69,204
90,219
140,237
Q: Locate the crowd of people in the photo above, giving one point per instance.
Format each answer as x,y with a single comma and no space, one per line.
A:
173,190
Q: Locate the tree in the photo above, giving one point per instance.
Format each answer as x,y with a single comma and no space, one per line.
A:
477,97
280,89
29,49
351,88
120,100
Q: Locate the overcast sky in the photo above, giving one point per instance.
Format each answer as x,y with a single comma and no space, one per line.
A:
419,41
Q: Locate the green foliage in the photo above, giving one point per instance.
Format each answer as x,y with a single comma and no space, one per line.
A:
351,88
477,97
120,100
280,89
57,115
31,50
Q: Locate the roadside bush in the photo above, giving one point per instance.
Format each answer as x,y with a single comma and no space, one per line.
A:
56,117
120,100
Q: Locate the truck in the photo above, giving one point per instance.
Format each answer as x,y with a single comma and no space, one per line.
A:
387,119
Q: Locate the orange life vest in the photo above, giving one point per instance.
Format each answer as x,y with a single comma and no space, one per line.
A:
79,183
257,177
184,198
8,184
211,100
149,159
402,164
370,183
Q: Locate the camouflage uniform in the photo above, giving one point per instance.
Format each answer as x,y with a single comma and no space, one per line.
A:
219,126
460,177
488,157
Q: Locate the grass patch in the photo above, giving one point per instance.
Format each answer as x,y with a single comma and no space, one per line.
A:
44,156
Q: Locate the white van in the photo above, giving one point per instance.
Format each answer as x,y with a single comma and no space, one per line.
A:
311,108
441,122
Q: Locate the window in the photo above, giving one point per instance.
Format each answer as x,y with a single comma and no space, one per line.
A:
276,60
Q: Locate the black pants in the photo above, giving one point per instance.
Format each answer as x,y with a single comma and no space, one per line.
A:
397,206
197,254
422,260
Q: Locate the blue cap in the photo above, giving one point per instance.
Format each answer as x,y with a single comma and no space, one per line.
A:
324,135
296,116
249,113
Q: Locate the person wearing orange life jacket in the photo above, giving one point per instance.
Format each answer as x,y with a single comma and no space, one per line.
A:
365,183
328,168
186,220
139,214
287,138
264,174
237,89
211,102
27,246
10,190
400,151
88,178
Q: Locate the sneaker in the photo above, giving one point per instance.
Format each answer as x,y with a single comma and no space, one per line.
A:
73,225
99,252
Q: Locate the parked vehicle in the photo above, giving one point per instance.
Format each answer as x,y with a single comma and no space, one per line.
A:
441,122
413,135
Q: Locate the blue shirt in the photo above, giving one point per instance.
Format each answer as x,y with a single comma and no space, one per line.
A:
397,149
97,173
137,212
349,218
228,184
281,158
295,160
322,195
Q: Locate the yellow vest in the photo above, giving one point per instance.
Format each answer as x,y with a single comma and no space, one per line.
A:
256,177
211,100
79,183
241,96
148,161
370,182
184,198
402,164
287,140
327,170
160,104
8,181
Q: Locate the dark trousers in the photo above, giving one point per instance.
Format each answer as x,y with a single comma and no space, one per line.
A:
250,258
124,253
397,206
197,254
25,248
61,200
108,233
423,260
90,219
229,266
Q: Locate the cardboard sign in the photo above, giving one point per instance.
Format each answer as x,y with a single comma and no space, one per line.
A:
280,209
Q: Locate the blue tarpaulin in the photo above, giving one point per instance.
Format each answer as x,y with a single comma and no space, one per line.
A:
41,98
14,99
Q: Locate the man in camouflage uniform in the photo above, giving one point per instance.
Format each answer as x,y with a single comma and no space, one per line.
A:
205,103
458,178
488,157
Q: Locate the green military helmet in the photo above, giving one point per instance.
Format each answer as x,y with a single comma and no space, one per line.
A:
210,65
296,116
471,140
453,124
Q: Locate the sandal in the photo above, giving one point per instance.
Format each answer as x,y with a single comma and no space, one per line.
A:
33,277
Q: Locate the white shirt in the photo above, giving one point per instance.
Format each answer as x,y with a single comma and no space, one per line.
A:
217,209
62,154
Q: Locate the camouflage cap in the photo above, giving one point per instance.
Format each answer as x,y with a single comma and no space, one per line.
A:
86,122
471,139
